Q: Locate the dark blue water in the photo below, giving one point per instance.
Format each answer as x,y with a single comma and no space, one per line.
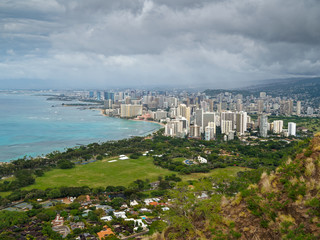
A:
30,126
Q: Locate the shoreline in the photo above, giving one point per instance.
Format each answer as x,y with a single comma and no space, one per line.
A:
102,111
3,162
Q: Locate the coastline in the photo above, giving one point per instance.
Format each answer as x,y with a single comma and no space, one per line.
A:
8,160
102,111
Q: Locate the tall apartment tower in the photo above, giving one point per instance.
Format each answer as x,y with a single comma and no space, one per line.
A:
208,117
226,126
260,106
292,128
210,131
277,126
241,122
184,111
298,108
263,125
239,105
199,117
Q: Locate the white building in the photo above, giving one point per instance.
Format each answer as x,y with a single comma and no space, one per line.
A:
241,122
160,114
128,110
120,215
226,126
210,131
292,128
195,131
263,125
202,160
176,128
277,126
184,111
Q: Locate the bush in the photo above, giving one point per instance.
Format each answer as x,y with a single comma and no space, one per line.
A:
65,164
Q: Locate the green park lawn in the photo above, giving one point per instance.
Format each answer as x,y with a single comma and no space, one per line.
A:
122,172
101,173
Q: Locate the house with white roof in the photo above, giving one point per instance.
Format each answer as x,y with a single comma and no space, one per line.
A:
202,160
120,215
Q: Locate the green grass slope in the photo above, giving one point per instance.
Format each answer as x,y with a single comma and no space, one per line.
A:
122,172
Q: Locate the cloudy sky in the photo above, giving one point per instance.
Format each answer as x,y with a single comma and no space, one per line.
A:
111,43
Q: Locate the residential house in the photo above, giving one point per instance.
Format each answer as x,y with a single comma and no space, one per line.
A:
105,232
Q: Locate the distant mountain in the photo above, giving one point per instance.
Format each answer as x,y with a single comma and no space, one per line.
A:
303,87
297,88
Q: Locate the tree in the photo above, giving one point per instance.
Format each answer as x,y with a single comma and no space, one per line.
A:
54,193
65,164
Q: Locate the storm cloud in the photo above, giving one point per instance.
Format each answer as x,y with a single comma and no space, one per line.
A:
116,43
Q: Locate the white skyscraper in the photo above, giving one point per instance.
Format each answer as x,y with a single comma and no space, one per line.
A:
210,131
226,126
277,126
241,122
292,128
263,125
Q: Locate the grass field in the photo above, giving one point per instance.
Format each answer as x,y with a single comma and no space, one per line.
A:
123,172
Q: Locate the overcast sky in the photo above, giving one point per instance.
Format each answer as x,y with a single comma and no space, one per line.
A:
110,43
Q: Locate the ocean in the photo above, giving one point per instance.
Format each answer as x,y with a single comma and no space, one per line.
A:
30,126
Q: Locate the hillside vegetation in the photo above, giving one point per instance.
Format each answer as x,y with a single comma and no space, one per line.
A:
284,204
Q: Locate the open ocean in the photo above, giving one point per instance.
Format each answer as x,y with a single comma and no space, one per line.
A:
30,126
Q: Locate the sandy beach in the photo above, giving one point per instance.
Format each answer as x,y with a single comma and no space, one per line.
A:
102,111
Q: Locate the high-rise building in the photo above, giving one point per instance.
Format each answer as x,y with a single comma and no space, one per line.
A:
241,122
239,105
199,117
263,125
128,110
184,111
91,94
226,126
219,107
98,95
309,111
108,96
260,105
210,131
298,108
161,114
292,128
231,116
176,128
195,131
208,117
277,126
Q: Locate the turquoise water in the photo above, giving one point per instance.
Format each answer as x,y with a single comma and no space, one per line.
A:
30,126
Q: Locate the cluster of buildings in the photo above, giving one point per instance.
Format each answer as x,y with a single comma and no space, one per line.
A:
198,115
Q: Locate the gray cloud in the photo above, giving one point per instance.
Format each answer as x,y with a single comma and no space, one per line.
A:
100,43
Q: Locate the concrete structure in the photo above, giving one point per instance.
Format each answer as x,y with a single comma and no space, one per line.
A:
128,110
292,129
208,117
298,110
241,122
226,126
277,126
263,125
210,131
195,131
